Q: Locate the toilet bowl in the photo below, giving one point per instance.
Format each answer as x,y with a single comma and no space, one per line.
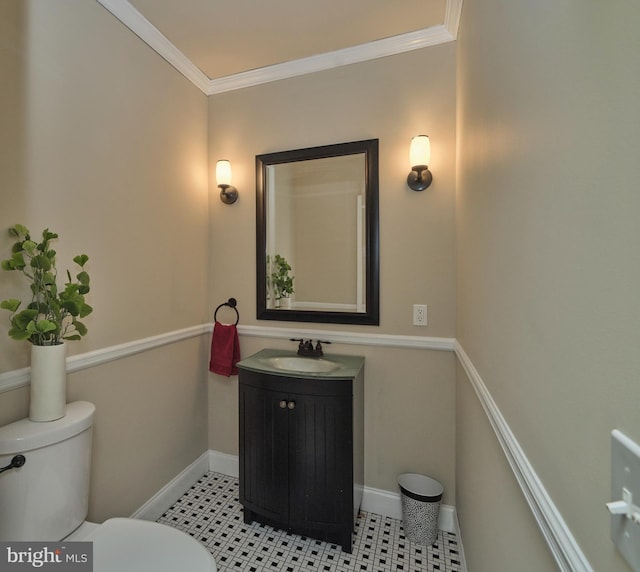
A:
46,498
129,545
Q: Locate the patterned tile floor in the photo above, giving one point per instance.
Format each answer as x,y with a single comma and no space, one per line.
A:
210,512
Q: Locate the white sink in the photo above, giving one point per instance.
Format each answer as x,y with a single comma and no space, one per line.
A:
304,364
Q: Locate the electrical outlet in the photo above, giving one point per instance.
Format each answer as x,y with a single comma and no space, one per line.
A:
419,315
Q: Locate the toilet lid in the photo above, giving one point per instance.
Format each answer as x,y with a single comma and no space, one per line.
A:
129,545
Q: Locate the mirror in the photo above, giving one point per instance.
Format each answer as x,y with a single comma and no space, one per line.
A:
317,234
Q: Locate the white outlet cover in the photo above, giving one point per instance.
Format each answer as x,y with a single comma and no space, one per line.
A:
625,473
419,314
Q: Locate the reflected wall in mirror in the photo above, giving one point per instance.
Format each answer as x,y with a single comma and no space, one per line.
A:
317,234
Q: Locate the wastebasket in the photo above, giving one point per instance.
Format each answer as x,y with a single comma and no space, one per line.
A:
421,497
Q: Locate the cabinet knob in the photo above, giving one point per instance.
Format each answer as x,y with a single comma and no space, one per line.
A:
283,404
291,405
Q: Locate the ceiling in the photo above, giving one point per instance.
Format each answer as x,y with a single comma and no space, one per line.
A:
227,44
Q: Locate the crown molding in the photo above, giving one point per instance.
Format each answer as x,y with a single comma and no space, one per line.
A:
452,13
321,62
156,40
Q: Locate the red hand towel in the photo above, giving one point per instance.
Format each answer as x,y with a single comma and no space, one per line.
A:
225,350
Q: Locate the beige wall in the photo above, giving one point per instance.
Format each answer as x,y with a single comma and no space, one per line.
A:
408,393
106,145
150,423
498,530
547,249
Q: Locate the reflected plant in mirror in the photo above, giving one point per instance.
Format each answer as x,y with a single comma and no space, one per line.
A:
317,217
279,281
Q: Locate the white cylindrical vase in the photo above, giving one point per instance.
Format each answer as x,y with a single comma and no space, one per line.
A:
48,383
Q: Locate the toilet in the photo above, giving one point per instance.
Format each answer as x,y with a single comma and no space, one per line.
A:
47,499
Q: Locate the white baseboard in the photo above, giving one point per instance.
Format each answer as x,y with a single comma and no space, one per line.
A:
374,500
463,560
387,503
223,463
158,504
377,501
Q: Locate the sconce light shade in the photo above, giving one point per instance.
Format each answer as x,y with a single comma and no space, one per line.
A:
228,193
223,172
419,158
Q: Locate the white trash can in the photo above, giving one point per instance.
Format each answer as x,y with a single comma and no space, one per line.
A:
421,497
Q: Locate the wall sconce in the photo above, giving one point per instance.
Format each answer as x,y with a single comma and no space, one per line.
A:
419,157
228,193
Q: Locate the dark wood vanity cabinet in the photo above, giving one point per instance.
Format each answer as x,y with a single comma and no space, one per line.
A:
301,453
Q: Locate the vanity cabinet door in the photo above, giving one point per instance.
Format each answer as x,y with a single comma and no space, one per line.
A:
264,454
297,455
320,447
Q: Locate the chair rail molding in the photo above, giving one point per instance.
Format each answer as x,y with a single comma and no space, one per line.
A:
563,546
20,377
349,337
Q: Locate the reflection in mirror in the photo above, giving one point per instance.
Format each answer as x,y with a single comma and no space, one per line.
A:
317,234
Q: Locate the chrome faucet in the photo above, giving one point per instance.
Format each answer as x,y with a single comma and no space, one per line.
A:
305,348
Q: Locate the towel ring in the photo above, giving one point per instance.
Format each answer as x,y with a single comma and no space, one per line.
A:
232,303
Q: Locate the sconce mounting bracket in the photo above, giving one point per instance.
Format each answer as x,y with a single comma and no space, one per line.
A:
228,194
419,178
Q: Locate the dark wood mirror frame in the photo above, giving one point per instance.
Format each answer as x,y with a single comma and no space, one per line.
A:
371,315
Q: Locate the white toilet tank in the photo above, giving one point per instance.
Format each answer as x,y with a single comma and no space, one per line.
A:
48,497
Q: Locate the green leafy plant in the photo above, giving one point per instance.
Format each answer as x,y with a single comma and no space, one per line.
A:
279,278
52,315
